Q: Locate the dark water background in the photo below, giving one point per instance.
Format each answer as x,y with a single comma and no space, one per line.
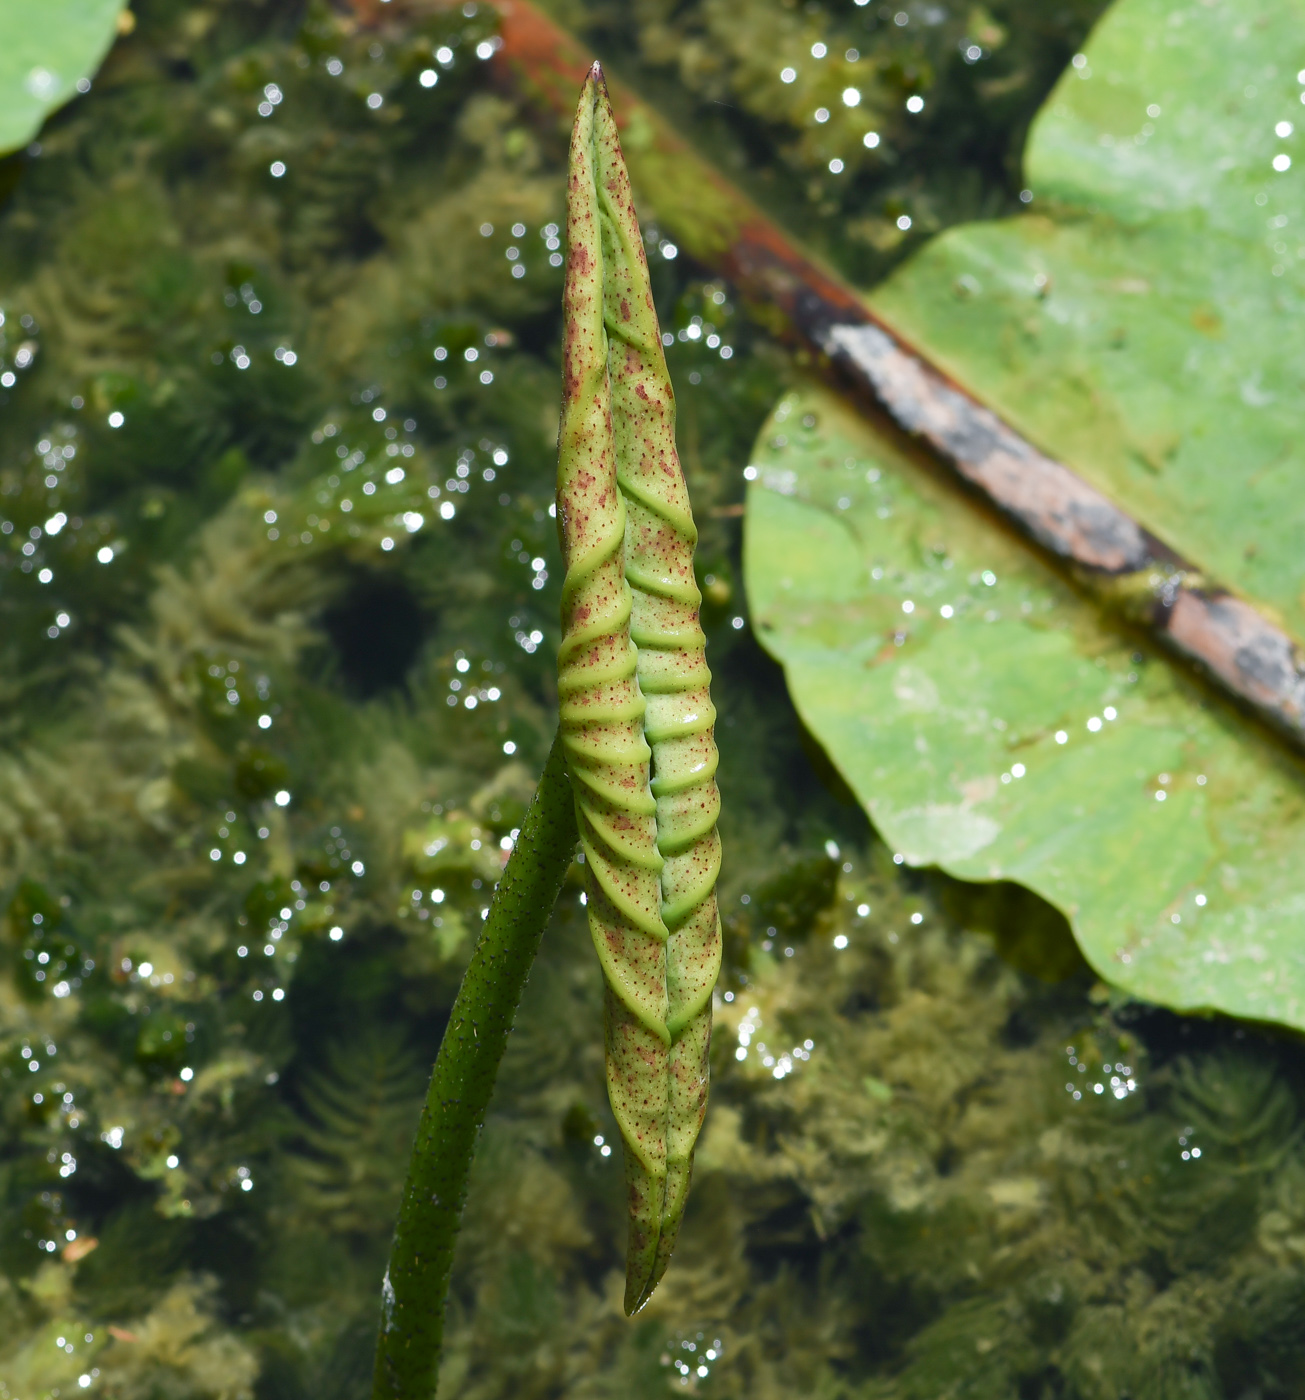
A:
262,751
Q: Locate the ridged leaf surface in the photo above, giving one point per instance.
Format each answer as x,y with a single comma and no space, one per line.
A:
636,711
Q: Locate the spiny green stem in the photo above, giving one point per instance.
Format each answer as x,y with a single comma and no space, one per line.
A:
417,1280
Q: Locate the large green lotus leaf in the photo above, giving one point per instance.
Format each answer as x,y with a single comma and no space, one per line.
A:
46,47
1148,325
992,725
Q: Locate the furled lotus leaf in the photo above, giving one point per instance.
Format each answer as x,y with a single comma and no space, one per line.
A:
633,673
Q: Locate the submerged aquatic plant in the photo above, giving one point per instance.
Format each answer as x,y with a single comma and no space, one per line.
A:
922,1207
630,624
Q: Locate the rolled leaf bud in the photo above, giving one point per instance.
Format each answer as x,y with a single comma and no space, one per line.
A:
672,666
602,724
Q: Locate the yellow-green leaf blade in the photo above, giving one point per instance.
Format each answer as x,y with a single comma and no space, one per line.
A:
1142,323
46,48
982,740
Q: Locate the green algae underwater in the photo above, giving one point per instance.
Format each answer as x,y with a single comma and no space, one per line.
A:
263,752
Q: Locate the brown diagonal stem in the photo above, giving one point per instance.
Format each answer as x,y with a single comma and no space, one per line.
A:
1247,654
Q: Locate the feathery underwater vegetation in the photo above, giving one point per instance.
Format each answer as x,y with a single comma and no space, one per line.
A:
280,594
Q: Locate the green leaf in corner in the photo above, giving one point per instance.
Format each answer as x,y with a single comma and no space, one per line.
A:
1145,321
993,725
1142,323
46,48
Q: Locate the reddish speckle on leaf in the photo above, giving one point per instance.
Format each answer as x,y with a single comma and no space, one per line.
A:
618,427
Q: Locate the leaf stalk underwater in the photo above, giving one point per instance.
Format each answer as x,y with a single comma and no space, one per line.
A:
417,1279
